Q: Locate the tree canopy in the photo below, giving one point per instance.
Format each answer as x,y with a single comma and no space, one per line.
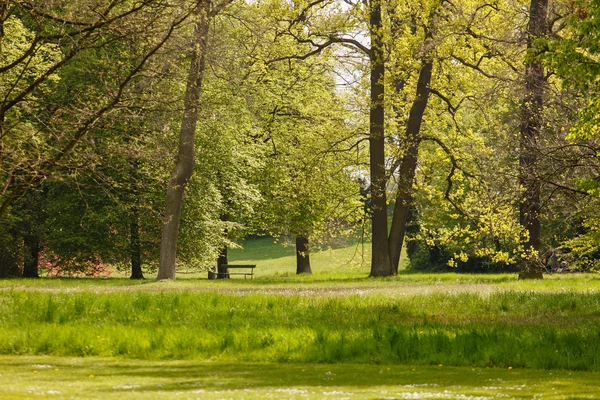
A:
466,132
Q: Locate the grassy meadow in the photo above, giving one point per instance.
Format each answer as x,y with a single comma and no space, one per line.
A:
335,334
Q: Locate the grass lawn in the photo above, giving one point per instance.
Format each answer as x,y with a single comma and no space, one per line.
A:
275,259
335,334
88,378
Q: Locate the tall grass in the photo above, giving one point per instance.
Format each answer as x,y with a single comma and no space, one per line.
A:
507,328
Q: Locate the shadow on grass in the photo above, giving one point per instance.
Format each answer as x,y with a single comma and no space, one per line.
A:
120,377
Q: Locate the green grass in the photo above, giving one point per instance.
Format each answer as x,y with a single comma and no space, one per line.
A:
336,333
90,378
460,320
275,259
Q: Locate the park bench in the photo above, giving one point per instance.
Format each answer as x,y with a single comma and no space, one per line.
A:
247,270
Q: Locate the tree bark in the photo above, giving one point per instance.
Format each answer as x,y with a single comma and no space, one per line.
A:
135,246
409,165
184,164
3,17
302,255
531,125
8,266
380,255
8,256
223,272
222,261
31,256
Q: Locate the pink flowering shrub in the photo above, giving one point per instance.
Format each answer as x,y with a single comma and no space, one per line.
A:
56,266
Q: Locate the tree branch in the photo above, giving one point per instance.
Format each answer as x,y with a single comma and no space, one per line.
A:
477,67
49,164
453,169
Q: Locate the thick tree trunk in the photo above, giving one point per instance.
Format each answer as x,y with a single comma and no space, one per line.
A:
31,256
380,256
531,125
409,165
184,164
302,255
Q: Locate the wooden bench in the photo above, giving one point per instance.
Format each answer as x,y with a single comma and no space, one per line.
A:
248,267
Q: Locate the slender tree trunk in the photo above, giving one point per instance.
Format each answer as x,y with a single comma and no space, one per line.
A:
31,256
8,257
302,255
380,256
223,272
135,245
8,265
3,17
408,167
184,164
531,125
222,262
412,228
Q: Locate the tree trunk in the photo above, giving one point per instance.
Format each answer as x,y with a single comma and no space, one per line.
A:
380,256
3,17
302,255
409,165
8,256
135,247
8,265
412,229
531,125
184,164
223,272
222,262
31,256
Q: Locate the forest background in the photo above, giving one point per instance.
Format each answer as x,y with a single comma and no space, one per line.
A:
464,131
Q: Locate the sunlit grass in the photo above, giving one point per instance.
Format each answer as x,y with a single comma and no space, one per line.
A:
60,377
317,322
271,258
334,333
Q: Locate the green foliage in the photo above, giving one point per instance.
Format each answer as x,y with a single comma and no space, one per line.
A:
584,249
281,140
57,135
574,56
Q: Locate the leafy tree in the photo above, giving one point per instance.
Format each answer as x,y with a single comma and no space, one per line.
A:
61,79
573,54
309,192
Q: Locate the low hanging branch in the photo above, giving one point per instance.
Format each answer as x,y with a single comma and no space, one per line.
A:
455,166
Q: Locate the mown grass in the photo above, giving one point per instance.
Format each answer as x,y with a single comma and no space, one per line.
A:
275,259
423,320
84,378
351,258
335,334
